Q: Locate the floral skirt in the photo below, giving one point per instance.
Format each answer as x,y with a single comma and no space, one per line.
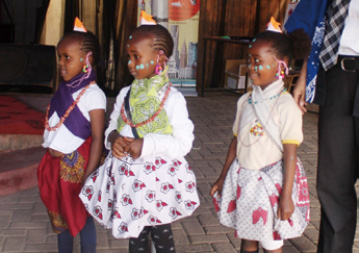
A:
250,198
59,180
126,195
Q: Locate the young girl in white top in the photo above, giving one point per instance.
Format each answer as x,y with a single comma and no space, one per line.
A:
73,136
262,191
145,183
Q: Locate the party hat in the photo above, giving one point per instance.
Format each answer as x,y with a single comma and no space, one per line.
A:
274,26
146,19
79,26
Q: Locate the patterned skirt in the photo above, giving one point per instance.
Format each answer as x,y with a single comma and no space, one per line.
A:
126,195
59,180
250,198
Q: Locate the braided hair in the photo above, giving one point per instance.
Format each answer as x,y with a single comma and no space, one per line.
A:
162,39
89,43
295,45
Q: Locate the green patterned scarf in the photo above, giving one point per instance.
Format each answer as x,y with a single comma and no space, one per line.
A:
144,102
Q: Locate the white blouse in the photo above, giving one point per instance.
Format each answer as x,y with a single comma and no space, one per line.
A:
62,139
174,145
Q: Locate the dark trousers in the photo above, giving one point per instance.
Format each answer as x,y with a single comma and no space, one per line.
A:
338,162
87,239
162,239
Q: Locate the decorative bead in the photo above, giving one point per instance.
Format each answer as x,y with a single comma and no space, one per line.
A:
250,101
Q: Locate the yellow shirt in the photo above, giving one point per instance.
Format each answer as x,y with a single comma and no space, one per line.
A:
255,148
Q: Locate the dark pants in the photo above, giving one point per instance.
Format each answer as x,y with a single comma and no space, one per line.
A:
338,162
161,236
87,239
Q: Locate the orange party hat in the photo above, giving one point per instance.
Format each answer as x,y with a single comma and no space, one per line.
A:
274,26
146,19
79,26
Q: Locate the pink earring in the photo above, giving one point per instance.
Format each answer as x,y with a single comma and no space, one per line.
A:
159,69
280,73
87,67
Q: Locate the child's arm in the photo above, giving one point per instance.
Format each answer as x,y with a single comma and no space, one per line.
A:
97,119
177,144
286,205
231,155
118,144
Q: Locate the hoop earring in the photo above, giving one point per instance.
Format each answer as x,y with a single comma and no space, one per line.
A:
159,68
87,67
281,73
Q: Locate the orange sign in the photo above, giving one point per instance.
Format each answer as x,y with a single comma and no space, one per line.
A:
179,10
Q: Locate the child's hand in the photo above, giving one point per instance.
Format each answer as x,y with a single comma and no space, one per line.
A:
217,187
118,146
285,208
134,147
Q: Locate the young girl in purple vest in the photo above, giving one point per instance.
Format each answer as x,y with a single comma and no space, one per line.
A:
73,137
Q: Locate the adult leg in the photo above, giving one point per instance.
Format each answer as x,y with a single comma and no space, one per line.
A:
65,242
88,237
140,244
162,238
337,163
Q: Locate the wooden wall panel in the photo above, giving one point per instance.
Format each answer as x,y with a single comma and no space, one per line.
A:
232,18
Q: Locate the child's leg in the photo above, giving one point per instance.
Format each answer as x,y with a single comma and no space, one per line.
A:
162,238
248,246
88,237
139,244
65,242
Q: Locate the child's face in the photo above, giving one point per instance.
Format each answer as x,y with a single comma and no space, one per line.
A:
262,64
71,58
142,58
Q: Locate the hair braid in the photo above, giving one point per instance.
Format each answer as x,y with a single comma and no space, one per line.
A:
162,39
89,43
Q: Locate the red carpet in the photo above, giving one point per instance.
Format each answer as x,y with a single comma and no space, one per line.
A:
18,118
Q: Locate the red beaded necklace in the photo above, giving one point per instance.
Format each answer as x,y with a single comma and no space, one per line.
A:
152,118
67,113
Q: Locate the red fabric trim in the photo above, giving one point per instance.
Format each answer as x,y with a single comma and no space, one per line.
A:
60,196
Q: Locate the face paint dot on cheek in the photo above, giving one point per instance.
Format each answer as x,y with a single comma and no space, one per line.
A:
260,67
254,40
152,62
130,37
256,69
147,65
129,62
137,67
250,46
81,59
142,66
268,67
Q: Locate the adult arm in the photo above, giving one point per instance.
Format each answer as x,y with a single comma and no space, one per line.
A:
299,89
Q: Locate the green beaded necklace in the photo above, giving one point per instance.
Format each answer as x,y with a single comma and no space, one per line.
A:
251,102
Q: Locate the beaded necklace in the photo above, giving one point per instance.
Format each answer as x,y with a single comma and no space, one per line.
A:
269,117
250,101
66,114
152,118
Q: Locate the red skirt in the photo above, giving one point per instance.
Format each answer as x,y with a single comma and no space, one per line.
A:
59,181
